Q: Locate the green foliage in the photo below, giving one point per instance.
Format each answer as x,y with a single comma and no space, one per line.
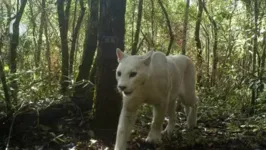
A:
34,89
235,46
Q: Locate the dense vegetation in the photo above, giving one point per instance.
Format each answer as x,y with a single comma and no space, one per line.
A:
57,62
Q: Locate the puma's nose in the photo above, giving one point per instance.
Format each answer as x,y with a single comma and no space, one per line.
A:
122,88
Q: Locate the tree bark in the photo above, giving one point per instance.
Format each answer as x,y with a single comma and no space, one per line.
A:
184,44
75,34
152,22
63,26
32,19
136,38
108,100
198,42
82,91
215,44
48,50
171,34
207,54
3,80
262,66
13,49
132,22
255,49
3,38
39,44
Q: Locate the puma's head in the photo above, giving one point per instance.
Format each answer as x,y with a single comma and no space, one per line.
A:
132,71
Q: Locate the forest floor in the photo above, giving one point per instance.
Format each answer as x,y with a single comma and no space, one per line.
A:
217,129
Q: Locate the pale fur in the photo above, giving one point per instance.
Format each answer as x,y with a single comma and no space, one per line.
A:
160,81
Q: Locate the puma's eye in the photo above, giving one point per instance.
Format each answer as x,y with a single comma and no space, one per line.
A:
119,73
132,74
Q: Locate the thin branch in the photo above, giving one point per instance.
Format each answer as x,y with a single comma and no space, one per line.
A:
184,44
169,27
136,38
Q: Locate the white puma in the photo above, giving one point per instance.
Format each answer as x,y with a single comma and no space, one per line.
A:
158,80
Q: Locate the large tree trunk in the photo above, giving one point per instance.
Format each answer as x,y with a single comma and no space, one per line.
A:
108,100
171,34
255,49
184,44
63,26
3,37
14,41
198,42
262,65
83,89
75,35
136,39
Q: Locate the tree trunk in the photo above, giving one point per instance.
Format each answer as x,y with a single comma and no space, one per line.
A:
6,89
215,44
152,23
184,44
198,42
108,100
255,49
63,26
262,66
93,71
171,34
14,41
3,80
208,60
75,35
231,42
207,54
32,19
132,22
136,39
39,44
82,90
48,51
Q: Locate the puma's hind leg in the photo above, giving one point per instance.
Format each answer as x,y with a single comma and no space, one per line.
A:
192,117
191,107
187,110
191,112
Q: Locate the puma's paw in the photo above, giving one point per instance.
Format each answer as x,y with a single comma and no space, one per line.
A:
155,138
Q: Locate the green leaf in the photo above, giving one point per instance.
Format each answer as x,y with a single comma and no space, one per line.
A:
6,68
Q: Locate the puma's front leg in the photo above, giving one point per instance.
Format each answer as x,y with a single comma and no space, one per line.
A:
126,122
156,127
172,118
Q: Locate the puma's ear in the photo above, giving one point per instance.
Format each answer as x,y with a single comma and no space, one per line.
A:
120,55
147,59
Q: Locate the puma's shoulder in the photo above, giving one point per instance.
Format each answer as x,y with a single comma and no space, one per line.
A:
158,63
159,57
181,61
